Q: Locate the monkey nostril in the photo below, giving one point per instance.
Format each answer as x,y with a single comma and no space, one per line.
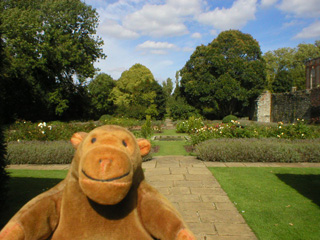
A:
105,161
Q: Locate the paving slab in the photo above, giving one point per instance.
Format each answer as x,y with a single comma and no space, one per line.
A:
198,196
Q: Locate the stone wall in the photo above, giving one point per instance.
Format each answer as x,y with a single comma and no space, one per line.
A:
288,107
263,107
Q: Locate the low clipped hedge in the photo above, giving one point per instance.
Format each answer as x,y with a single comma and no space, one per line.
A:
259,150
41,152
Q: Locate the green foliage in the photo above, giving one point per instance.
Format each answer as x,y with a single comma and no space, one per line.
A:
99,89
179,109
227,75
286,66
259,150
47,44
137,94
3,174
146,128
277,203
40,152
189,126
229,118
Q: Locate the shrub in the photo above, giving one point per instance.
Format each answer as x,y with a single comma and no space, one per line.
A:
40,152
259,150
3,175
229,118
181,110
189,126
146,129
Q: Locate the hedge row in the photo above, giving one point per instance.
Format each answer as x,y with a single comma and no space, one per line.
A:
41,152
259,150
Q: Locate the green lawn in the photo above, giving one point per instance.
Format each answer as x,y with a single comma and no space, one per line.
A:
277,203
26,184
170,148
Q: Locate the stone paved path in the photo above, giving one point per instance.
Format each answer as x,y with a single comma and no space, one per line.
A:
190,186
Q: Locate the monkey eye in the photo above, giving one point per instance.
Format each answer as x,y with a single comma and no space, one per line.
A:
124,143
93,140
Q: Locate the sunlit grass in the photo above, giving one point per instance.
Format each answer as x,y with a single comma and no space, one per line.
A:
277,203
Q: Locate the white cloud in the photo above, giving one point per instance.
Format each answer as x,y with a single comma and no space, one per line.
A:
214,32
301,8
312,31
196,35
188,49
112,29
155,20
268,3
163,20
235,17
159,48
156,45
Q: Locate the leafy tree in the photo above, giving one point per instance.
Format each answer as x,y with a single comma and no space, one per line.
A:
282,82
224,77
99,89
286,66
137,94
49,43
167,87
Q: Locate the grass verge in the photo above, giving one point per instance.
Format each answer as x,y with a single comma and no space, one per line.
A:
26,184
170,148
277,203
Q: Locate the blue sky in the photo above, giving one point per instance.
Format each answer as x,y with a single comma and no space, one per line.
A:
162,34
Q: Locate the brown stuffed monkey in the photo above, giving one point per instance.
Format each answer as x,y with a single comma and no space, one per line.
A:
104,196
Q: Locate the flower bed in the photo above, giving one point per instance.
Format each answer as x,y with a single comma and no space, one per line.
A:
235,129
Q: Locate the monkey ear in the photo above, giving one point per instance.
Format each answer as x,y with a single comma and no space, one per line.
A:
144,145
77,138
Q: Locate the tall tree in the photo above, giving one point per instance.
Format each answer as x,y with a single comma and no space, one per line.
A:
49,43
99,89
286,66
226,76
135,93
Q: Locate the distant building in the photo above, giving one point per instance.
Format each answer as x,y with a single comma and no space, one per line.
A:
313,73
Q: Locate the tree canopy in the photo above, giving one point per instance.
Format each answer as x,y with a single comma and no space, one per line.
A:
99,91
49,43
286,66
138,94
225,76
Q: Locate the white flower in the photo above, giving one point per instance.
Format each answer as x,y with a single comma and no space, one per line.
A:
50,127
43,132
